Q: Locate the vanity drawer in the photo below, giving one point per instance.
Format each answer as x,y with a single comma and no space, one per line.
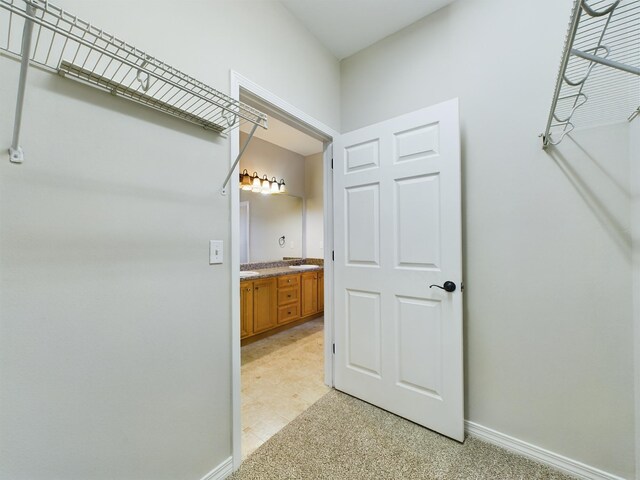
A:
288,313
288,281
288,295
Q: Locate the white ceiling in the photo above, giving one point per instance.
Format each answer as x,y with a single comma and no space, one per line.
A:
347,26
281,134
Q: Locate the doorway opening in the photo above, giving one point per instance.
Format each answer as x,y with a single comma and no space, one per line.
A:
281,221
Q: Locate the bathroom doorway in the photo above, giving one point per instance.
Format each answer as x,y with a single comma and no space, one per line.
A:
282,352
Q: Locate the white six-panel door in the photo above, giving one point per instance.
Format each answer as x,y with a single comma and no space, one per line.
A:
397,227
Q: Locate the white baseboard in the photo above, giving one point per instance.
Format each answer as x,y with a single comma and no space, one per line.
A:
555,460
559,462
221,472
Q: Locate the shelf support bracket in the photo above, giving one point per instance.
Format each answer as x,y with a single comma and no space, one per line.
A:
235,164
573,28
606,61
16,155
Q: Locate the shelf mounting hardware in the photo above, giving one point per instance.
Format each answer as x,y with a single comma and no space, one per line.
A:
16,155
235,164
599,77
76,49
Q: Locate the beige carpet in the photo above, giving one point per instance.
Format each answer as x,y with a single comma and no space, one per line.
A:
340,437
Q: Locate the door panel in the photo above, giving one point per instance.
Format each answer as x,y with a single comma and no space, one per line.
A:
419,348
397,231
418,222
363,224
362,156
363,343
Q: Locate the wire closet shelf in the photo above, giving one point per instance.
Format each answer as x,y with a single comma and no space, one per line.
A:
599,78
74,48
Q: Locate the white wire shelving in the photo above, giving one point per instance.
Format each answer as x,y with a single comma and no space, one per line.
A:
46,36
599,78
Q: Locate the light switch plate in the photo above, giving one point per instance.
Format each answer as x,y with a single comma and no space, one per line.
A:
215,252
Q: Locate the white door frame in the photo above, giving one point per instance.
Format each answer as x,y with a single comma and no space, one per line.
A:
240,82
248,228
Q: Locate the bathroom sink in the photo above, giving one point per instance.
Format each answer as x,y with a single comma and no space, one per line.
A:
304,267
246,274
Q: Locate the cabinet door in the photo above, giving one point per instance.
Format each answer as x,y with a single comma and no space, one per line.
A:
309,293
265,307
321,291
246,309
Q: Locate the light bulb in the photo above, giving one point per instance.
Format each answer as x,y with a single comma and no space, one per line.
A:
245,180
275,188
255,182
266,185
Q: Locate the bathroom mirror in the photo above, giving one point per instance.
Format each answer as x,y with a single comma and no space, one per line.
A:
264,220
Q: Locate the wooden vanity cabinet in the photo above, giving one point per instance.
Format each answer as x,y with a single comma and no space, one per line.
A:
258,311
285,281
288,298
268,305
321,291
309,282
246,309
265,312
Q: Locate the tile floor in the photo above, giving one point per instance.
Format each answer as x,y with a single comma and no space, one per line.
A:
282,376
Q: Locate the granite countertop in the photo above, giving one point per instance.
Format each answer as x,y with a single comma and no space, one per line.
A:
276,269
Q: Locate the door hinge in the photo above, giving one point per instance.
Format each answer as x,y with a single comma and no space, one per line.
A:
461,285
333,348
332,164
333,255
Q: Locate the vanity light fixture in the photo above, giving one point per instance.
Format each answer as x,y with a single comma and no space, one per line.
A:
275,188
263,185
245,180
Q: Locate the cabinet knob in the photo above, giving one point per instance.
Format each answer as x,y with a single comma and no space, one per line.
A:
288,296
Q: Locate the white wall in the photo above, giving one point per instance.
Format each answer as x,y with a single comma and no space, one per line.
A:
314,211
634,154
548,323
115,331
